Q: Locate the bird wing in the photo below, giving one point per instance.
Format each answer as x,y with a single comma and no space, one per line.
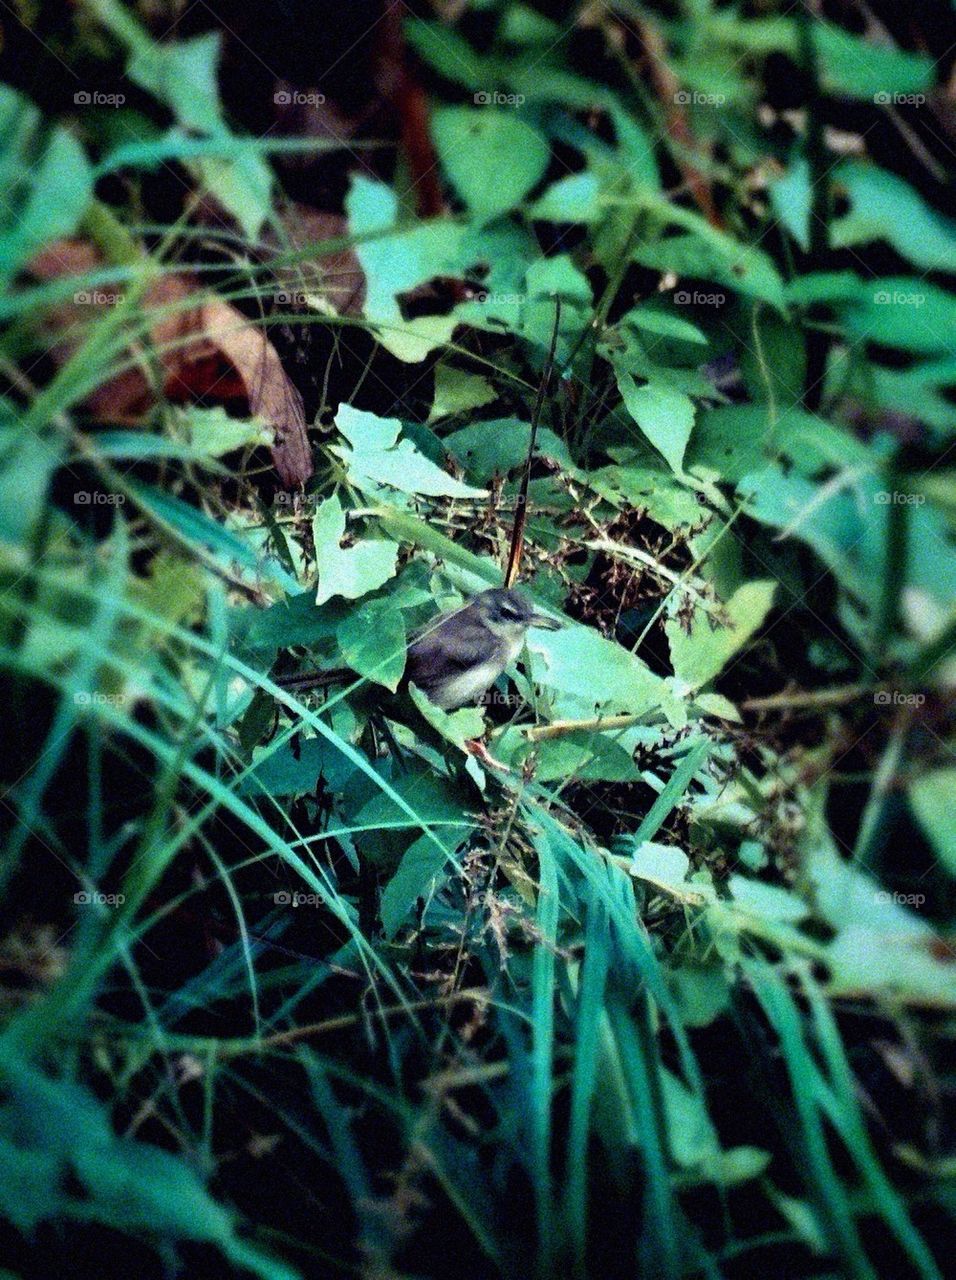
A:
449,646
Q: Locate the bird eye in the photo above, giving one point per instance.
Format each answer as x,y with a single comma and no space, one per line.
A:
511,612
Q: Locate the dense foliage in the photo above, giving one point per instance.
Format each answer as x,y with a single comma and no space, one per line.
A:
294,984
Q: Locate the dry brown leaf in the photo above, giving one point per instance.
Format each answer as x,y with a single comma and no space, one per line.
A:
336,277
206,350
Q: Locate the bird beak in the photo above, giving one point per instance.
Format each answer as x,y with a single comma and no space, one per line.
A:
545,623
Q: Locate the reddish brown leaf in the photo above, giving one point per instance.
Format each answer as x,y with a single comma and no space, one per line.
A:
206,350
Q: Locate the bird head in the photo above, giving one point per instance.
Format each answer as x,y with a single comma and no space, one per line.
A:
509,614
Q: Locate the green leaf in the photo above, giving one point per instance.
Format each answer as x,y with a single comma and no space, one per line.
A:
661,864
348,571
61,1159
242,183
733,441
664,415
850,64
663,323
715,704
230,547
47,183
737,1165
701,992
458,727
880,946
701,654
600,673
26,465
448,52
183,75
933,797
373,642
291,772
863,68
584,756
432,798
456,392
769,901
396,263
475,143
701,250
655,491
575,198
378,457
523,25
210,433
884,207
496,447
690,1131
792,200
906,312
421,865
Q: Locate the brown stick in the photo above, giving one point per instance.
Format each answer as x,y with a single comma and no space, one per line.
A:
521,511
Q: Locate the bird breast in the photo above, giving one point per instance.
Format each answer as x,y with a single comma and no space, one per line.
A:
468,686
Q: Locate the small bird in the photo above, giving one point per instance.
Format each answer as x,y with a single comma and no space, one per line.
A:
458,657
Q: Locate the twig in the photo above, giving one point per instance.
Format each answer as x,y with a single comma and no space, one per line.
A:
521,513
809,698
539,733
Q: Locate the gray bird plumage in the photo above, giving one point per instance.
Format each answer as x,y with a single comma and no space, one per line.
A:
459,656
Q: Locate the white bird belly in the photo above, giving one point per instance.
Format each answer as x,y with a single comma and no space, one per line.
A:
469,686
